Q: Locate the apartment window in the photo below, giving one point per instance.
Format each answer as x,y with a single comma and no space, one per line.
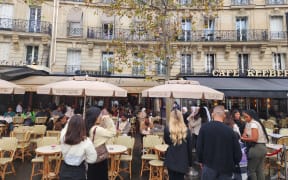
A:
35,19
108,30
274,2
75,22
210,63
107,62
278,61
73,61
6,16
240,2
32,54
161,67
209,27
138,65
276,27
184,2
243,63
186,26
186,64
241,28
4,53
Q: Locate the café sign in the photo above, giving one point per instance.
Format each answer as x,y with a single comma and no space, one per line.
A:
249,73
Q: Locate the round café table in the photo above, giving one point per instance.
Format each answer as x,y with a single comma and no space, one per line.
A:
47,151
115,152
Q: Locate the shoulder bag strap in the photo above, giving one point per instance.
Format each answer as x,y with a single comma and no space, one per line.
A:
94,132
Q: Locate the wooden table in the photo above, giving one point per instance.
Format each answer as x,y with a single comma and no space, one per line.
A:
47,151
115,152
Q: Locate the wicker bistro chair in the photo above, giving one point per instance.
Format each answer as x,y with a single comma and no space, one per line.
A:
283,131
40,120
149,143
8,147
268,124
37,131
18,120
53,133
37,162
128,156
23,147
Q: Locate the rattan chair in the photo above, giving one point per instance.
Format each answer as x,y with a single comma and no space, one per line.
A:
40,120
149,143
268,124
53,133
37,162
23,147
283,131
17,120
8,147
129,142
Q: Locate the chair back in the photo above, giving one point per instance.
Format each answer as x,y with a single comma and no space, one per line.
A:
54,133
150,141
40,120
127,141
39,129
22,136
8,143
268,124
283,141
47,141
283,131
18,120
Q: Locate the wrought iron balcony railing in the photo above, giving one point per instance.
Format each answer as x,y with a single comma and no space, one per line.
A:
74,31
241,2
189,36
20,25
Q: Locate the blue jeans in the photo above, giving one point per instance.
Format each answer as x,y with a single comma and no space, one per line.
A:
211,174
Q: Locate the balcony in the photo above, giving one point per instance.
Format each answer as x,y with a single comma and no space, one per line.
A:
276,2
29,26
241,2
244,35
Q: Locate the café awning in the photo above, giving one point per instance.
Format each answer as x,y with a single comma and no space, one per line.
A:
247,87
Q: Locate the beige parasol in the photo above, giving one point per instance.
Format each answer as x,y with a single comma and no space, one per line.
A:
82,86
183,89
7,87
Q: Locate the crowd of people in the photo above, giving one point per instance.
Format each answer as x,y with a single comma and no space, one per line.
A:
216,138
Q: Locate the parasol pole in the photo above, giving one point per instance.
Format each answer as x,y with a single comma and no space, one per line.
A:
84,107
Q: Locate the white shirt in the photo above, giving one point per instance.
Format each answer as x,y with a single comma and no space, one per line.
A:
19,108
74,155
255,125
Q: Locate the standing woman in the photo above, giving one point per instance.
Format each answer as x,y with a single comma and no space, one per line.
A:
256,137
236,116
76,148
99,136
178,155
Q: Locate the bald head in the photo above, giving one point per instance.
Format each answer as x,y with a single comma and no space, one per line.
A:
218,113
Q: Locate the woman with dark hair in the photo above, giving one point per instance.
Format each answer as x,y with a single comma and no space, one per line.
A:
255,137
236,116
76,148
99,135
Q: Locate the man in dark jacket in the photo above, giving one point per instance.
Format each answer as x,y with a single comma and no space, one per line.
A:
218,149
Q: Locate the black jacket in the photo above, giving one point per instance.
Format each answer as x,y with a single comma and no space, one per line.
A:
178,158
218,147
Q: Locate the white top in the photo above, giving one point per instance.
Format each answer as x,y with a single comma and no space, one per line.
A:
255,125
236,129
19,108
8,119
74,155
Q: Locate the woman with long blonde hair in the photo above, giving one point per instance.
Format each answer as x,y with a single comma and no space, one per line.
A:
179,153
